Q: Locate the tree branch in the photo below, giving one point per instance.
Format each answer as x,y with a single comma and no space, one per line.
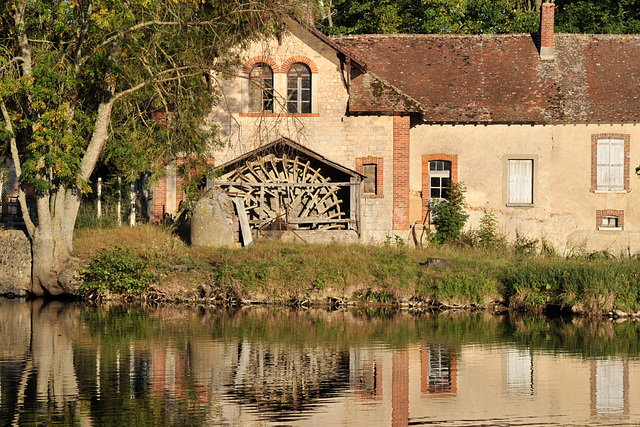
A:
23,41
22,198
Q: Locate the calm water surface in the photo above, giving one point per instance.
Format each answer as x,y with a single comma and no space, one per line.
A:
69,364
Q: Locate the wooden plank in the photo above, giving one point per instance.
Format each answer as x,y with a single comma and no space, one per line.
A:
247,239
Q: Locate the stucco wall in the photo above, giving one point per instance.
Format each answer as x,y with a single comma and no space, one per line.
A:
564,208
328,130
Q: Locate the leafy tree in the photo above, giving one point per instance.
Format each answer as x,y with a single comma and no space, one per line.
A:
79,78
432,16
601,17
476,16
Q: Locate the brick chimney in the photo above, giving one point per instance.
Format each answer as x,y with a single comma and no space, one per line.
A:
546,31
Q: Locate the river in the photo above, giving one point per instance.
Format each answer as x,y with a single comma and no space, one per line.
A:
73,364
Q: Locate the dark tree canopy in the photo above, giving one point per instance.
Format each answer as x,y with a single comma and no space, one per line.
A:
476,16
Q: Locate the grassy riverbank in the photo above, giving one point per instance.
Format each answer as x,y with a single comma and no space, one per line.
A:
476,276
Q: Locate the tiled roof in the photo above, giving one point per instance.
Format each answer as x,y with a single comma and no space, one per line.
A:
498,78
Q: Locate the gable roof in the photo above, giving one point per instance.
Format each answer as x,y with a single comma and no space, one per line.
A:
284,144
498,78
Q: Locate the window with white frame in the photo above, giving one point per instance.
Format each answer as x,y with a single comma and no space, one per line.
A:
520,184
439,179
261,89
299,89
610,164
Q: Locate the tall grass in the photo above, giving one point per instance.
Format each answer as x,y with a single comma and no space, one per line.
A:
476,275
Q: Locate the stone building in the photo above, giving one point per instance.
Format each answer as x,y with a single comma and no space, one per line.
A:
540,128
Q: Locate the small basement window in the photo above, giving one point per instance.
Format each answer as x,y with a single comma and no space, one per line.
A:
609,219
609,222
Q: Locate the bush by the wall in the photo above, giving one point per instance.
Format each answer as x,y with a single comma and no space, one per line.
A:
117,270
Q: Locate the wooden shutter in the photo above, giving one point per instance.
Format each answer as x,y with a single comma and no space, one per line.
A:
610,166
520,181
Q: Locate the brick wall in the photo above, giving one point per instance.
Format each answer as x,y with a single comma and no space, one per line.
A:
546,25
401,141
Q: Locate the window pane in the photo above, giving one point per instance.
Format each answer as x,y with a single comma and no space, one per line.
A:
299,89
370,172
435,193
435,182
261,88
520,181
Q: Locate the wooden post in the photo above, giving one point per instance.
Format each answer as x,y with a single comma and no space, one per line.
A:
119,207
247,239
261,209
99,191
132,213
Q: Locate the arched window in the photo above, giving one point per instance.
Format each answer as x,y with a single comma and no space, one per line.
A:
261,89
299,89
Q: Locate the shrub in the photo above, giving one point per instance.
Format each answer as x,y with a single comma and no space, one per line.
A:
117,270
488,233
450,216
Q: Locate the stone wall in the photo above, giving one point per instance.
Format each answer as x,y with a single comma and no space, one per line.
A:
327,130
15,262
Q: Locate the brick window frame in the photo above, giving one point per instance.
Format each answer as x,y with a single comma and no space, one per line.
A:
600,214
594,160
426,158
379,162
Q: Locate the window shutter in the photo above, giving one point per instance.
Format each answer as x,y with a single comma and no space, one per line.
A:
610,166
603,164
616,172
520,181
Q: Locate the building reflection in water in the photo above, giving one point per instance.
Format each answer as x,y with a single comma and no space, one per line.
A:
53,365
519,372
365,374
284,382
438,370
610,389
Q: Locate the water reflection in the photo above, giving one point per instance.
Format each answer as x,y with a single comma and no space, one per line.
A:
75,365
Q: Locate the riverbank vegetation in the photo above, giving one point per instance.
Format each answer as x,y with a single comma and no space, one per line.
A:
481,271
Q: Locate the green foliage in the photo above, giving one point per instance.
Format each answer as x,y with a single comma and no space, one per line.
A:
489,232
130,83
450,216
117,270
478,16
431,17
598,17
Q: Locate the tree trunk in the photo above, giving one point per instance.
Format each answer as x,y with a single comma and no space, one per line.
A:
52,243
50,258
